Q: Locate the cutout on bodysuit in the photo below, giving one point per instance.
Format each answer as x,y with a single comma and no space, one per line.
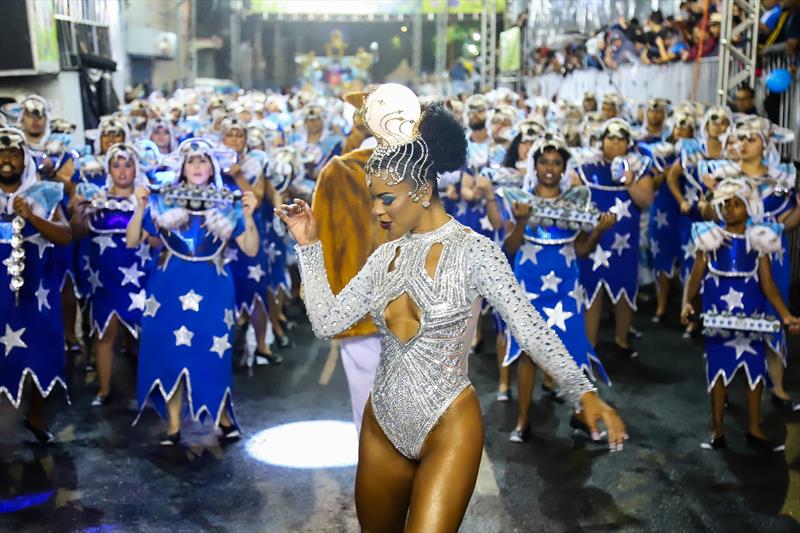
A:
402,315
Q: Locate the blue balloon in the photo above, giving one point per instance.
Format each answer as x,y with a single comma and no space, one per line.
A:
779,80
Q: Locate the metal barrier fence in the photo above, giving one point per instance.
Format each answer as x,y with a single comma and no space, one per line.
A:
774,58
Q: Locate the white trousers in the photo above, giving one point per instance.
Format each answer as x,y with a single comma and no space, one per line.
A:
360,356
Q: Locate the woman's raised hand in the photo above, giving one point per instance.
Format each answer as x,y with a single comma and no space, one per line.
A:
299,221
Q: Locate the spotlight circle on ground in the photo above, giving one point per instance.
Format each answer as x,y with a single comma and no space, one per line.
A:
306,444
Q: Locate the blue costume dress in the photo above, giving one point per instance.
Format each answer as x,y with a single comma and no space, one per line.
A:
117,275
731,286
613,264
189,310
275,249
665,242
31,325
547,269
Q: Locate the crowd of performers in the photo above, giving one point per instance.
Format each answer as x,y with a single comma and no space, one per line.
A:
159,237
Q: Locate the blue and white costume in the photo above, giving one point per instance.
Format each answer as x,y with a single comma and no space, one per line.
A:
664,241
31,326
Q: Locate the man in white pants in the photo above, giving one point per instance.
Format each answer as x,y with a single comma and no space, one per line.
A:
347,242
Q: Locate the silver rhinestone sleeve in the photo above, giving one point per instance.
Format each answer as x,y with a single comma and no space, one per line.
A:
330,315
491,277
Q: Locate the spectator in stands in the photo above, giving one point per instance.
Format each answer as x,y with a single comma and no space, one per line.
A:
745,100
704,45
620,50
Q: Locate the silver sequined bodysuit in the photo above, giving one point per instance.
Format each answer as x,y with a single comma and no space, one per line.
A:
416,381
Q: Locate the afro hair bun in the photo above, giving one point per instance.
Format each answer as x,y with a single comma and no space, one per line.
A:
444,135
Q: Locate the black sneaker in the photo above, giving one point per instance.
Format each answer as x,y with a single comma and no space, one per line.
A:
43,436
762,445
786,405
99,401
520,435
170,440
268,359
230,433
283,341
714,443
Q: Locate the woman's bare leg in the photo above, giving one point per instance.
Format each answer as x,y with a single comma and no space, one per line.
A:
383,480
104,356
259,321
445,478
69,309
593,314
526,376
174,408
622,322
505,371
775,367
662,294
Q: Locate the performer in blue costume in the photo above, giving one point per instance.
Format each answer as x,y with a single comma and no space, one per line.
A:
31,329
664,241
545,263
249,273
117,274
190,302
316,143
752,142
732,264
613,265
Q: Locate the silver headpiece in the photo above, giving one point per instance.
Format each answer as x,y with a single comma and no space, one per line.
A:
392,114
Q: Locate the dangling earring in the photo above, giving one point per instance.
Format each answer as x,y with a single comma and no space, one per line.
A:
426,203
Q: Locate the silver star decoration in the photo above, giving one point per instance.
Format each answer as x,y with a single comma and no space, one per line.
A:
692,196
94,280
272,254
621,242
688,249
578,293
231,255
229,320
655,248
151,306
40,242
741,344
461,209
190,301
183,337
220,345
556,316
550,282
13,339
529,252
104,241
621,209
255,273
131,274
41,297
568,251
485,223
530,295
143,252
599,258
87,263
733,299
137,300
661,218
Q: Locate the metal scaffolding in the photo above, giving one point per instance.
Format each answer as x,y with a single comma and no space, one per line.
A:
416,45
441,47
737,63
488,44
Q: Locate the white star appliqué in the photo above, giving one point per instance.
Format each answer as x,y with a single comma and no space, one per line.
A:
741,344
568,251
688,249
486,224
231,255
183,337
529,252
461,209
556,316
131,275
151,306
660,218
220,345
530,295
190,301
733,299
272,254
41,243
137,300
550,282
41,297
143,252
654,248
621,242
578,294
599,258
104,241
94,280
621,209
13,339
229,320
255,273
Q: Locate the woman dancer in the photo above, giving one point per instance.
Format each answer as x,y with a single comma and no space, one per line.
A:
422,435
117,273
189,305
545,265
31,329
